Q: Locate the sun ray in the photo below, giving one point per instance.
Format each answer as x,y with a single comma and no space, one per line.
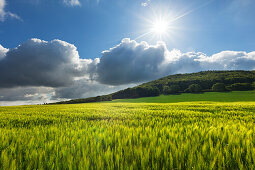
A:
192,10
143,35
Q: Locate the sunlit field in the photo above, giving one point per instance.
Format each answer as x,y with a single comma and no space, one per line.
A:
197,135
233,96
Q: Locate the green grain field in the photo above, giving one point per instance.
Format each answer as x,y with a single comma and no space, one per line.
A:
233,96
122,135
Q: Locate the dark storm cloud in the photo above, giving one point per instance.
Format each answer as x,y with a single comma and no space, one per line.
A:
25,93
41,63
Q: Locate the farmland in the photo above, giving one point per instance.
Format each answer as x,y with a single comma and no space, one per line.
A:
234,96
199,135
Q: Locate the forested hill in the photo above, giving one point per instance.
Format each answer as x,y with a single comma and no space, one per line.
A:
183,83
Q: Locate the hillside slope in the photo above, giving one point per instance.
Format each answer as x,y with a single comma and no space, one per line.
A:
201,82
183,83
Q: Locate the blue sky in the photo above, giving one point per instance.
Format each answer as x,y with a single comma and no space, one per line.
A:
96,26
52,50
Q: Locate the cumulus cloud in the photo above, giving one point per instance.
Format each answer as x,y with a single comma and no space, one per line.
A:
3,51
72,2
41,63
133,62
4,14
229,60
130,62
46,71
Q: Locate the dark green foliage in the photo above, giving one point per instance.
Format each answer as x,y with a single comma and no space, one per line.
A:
240,87
172,89
253,85
186,90
139,91
218,87
166,90
146,91
194,88
181,83
88,100
205,79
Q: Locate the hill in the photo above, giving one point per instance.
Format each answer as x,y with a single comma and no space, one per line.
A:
206,81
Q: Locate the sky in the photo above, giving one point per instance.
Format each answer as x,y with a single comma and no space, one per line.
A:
52,50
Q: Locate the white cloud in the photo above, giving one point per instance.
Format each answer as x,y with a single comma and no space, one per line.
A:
4,14
133,62
3,51
39,71
145,3
72,2
230,60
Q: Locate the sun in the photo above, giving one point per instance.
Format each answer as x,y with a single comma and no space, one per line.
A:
161,22
160,27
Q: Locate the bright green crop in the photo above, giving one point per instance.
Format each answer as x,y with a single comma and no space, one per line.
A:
128,136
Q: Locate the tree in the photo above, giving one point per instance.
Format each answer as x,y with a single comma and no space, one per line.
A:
240,87
194,88
219,87
253,85
146,91
172,89
155,91
166,90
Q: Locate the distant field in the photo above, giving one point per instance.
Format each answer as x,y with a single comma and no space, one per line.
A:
129,136
234,96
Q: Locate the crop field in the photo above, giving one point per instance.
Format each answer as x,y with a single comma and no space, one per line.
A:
234,96
191,135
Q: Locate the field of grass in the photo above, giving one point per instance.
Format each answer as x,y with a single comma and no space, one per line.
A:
195,135
234,96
